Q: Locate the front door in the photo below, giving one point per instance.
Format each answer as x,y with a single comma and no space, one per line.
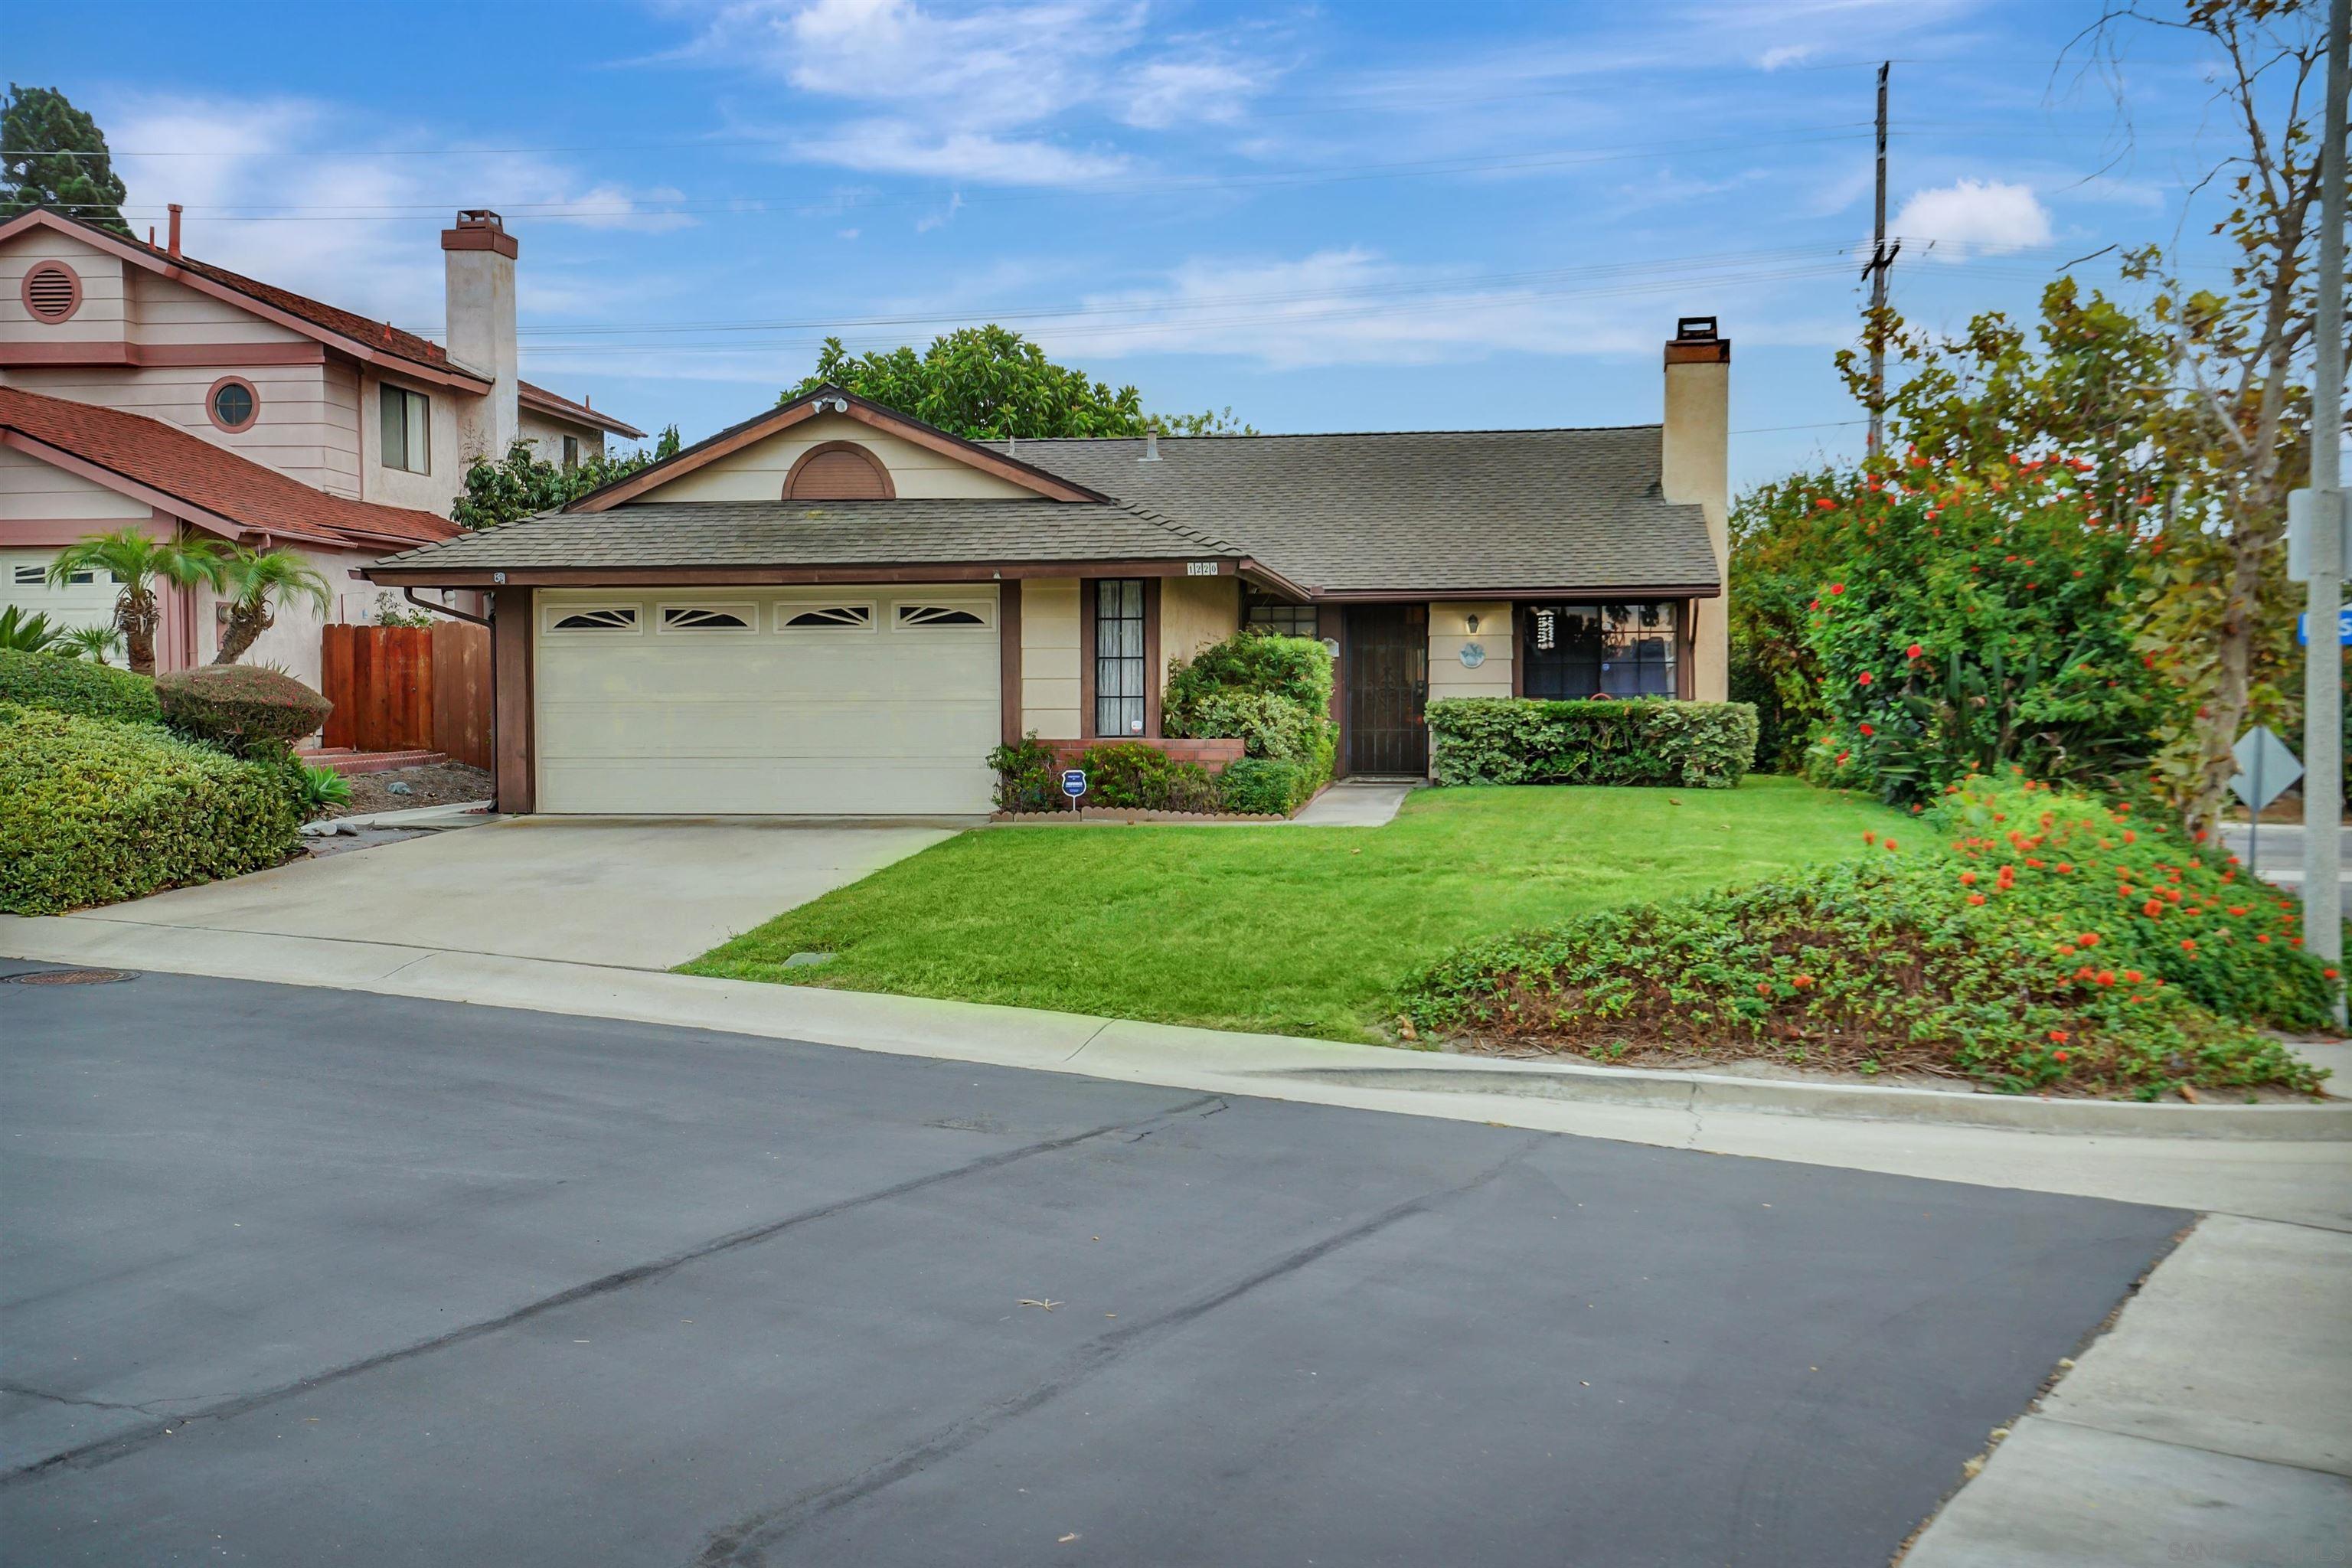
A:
1386,676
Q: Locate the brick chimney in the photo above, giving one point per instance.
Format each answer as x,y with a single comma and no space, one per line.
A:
1694,467
479,262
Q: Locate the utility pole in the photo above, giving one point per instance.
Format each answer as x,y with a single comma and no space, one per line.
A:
1881,258
2323,657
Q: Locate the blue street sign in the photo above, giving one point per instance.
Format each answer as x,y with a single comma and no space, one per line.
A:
1073,782
2342,628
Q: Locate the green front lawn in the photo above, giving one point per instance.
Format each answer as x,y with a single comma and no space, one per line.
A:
1297,930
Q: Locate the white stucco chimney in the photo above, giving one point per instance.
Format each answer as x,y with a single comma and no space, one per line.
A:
1695,467
478,260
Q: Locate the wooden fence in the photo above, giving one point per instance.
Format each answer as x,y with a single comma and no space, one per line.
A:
398,689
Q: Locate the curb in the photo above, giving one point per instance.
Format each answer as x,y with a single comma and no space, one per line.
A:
2330,1123
409,816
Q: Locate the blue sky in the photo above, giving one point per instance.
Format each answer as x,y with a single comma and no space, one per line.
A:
1344,216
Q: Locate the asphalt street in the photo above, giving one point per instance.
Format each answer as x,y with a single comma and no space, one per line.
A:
298,1276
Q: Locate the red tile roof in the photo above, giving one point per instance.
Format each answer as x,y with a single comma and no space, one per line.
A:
211,478
547,402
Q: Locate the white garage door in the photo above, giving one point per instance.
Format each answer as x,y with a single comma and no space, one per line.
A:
833,701
87,601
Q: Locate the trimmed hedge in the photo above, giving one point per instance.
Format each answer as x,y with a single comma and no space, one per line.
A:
1123,773
1274,695
241,707
75,686
94,812
1510,740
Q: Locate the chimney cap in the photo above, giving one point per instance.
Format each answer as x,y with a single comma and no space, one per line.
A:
1697,339
479,229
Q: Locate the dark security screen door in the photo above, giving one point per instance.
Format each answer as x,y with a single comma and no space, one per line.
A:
1387,675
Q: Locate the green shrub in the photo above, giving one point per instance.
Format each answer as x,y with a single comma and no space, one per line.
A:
1138,778
1510,740
1255,786
70,686
1296,669
1027,776
1274,695
316,789
93,812
2046,943
241,707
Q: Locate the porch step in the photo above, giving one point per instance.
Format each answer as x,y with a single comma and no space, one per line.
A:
344,761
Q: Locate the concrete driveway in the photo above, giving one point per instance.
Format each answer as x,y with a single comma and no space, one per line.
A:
645,893
299,1276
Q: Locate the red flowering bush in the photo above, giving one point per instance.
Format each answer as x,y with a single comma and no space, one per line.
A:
1973,623
2048,943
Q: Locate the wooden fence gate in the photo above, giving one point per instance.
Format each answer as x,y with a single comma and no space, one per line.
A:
398,689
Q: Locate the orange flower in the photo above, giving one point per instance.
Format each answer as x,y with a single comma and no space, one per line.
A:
1801,981
2188,944
1976,898
2133,977
1866,729
2088,938
1890,844
2152,908
1913,651
1968,879
2058,1036
1763,988
1864,678
1869,836
2106,977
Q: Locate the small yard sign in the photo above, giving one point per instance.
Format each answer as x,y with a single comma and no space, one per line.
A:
1073,784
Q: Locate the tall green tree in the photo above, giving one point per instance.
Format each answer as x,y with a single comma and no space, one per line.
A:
527,483
991,384
54,155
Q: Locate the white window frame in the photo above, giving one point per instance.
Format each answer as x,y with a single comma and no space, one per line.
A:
983,608
744,611
787,608
554,614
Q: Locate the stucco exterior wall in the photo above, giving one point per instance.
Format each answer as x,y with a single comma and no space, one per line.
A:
1049,657
430,492
1195,612
1450,633
758,471
546,438
1695,466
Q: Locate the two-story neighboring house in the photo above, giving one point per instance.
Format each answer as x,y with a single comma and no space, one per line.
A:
141,387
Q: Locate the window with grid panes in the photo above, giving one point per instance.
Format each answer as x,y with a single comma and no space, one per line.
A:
1119,669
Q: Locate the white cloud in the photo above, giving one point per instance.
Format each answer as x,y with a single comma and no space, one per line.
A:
1785,55
1973,216
967,94
354,226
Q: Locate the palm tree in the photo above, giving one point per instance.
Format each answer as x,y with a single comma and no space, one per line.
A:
137,563
93,643
259,581
23,633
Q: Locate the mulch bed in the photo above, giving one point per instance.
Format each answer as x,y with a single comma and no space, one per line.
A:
443,784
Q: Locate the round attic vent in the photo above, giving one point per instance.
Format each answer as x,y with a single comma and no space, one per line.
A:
52,292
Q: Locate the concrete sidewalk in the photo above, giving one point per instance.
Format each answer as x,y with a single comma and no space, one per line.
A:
2212,1423
2307,1183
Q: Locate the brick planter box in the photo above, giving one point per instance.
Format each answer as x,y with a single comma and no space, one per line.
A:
1212,755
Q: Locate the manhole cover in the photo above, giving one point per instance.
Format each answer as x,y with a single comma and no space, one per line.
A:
69,977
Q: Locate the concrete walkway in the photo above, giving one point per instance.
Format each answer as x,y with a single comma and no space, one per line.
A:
1355,803
636,892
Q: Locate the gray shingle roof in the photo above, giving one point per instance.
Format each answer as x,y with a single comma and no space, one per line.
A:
1450,510
821,534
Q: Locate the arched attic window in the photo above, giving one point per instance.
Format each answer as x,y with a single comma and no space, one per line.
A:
839,470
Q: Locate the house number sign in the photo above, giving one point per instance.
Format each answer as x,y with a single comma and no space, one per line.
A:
1473,654
1200,568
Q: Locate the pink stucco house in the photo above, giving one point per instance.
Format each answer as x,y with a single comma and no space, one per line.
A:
141,387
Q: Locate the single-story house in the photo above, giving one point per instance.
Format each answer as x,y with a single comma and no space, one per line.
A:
834,608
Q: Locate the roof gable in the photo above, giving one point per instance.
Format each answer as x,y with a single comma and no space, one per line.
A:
373,342
833,401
